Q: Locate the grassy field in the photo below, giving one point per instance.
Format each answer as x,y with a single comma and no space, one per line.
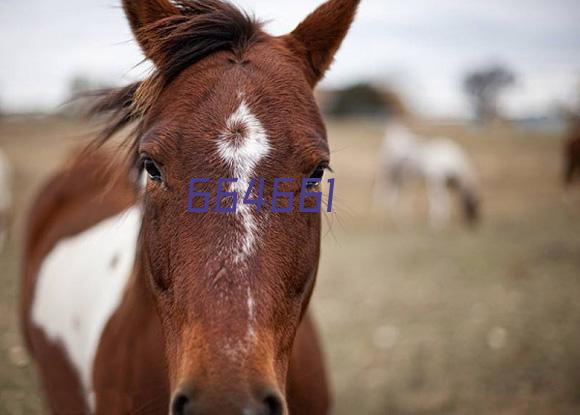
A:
483,321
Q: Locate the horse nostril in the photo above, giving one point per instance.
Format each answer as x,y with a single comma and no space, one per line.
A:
273,404
181,405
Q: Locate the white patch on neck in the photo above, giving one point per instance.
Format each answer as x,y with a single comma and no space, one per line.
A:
80,285
243,156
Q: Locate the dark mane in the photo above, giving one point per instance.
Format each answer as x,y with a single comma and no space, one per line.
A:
201,28
204,27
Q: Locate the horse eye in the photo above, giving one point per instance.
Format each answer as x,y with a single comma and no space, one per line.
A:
152,170
318,173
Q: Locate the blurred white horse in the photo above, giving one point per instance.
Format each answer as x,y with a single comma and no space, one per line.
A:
5,197
440,162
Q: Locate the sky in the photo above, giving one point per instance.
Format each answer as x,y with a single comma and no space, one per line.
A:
422,48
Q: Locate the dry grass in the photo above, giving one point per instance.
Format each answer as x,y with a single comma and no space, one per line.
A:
414,322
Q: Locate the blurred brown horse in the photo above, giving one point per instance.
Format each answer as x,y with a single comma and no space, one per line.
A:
572,152
5,197
130,303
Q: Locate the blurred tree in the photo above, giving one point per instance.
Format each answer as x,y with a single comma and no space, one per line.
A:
483,88
364,99
358,99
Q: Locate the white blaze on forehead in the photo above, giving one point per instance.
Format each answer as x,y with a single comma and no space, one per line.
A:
80,285
242,146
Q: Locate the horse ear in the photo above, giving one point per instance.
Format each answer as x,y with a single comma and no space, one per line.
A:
142,14
317,39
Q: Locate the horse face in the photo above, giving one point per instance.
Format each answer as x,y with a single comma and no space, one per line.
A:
231,288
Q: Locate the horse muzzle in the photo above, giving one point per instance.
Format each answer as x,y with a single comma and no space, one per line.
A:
262,401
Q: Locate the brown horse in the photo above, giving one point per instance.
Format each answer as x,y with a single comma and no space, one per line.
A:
5,197
132,304
572,152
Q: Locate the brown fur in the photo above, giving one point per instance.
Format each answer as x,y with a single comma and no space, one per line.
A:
572,153
187,301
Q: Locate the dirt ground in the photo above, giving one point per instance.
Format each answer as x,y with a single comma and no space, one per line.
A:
483,321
